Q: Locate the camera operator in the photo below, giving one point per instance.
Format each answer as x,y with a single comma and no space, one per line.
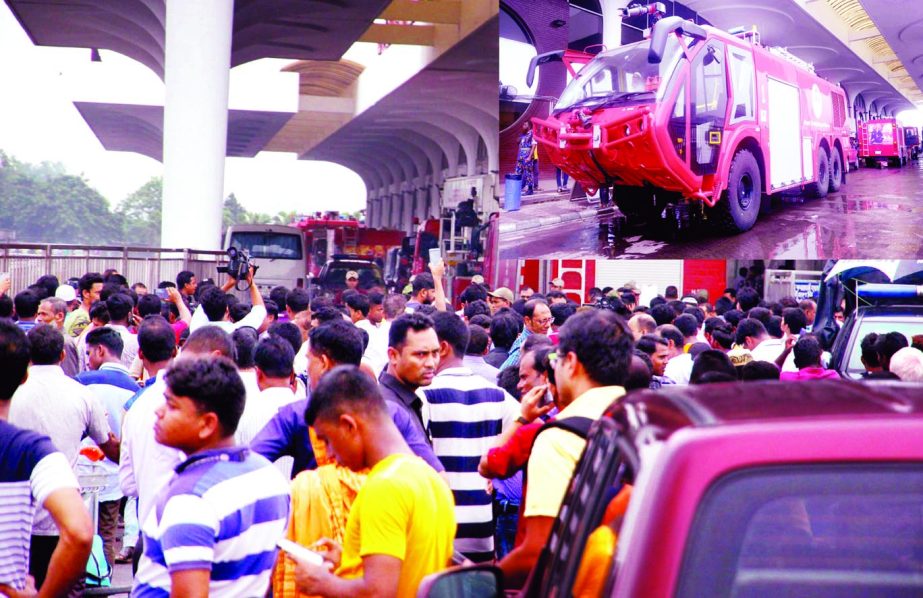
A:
213,307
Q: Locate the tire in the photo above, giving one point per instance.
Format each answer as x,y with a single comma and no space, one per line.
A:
739,205
637,203
836,171
819,188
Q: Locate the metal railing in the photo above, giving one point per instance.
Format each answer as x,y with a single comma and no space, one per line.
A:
26,262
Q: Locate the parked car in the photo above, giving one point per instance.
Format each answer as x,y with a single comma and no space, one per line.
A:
741,489
332,276
846,351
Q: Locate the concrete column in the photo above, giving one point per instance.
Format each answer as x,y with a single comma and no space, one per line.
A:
195,121
612,22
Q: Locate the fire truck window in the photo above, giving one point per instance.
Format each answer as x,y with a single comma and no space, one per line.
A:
709,105
741,63
677,124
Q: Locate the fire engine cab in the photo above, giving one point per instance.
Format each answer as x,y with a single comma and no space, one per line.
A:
697,123
882,142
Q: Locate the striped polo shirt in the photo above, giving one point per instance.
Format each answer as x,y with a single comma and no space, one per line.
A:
464,414
30,470
224,511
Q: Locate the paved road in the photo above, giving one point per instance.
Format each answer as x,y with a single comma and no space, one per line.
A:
877,214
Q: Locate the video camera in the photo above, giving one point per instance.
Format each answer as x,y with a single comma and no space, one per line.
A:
238,264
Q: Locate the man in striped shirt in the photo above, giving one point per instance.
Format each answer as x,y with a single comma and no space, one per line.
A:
464,414
214,528
34,474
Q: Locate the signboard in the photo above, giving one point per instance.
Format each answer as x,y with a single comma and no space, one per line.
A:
458,189
806,289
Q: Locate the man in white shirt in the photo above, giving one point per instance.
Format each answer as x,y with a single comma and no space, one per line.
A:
146,465
371,310
752,335
61,408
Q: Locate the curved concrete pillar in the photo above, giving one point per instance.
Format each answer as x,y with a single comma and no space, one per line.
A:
195,121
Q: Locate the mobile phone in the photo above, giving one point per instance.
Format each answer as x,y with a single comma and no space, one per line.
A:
435,254
162,293
300,552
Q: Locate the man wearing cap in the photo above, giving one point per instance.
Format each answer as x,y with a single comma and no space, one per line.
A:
502,297
537,320
352,280
557,284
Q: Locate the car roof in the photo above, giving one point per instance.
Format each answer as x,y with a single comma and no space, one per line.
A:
732,403
872,311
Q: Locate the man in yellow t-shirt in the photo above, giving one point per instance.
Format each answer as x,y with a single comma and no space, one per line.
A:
402,524
590,365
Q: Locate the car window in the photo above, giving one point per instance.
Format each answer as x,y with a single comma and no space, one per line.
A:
808,530
908,327
268,245
582,531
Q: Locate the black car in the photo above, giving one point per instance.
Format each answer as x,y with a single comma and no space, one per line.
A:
332,276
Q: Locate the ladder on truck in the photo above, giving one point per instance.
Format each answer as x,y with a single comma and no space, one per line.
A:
350,240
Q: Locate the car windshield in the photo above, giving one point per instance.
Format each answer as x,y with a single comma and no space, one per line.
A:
909,327
336,273
268,245
621,74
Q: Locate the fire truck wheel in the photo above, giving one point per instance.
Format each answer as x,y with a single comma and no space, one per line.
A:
819,189
738,208
836,171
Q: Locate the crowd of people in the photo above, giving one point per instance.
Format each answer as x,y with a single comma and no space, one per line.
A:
386,432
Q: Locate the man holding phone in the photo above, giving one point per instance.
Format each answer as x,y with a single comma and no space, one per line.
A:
402,523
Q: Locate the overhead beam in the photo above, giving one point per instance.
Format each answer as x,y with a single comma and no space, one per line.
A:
444,12
407,35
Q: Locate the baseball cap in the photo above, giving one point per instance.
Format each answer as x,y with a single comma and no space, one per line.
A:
631,286
66,293
503,293
557,282
690,300
477,279
352,274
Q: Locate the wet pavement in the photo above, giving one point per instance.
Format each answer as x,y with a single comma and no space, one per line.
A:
876,214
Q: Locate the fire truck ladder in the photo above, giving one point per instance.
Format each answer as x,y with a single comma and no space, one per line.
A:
350,240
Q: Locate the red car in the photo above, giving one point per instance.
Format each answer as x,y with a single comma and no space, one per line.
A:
754,489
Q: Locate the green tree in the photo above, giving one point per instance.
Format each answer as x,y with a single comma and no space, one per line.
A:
141,214
234,213
42,204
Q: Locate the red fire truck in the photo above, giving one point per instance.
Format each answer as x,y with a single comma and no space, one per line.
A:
881,142
327,234
698,118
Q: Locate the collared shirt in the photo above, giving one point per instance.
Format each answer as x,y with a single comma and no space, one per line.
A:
145,465
464,415
480,367
393,389
556,452
50,403
26,325
224,511
113,386
259,409
516,349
